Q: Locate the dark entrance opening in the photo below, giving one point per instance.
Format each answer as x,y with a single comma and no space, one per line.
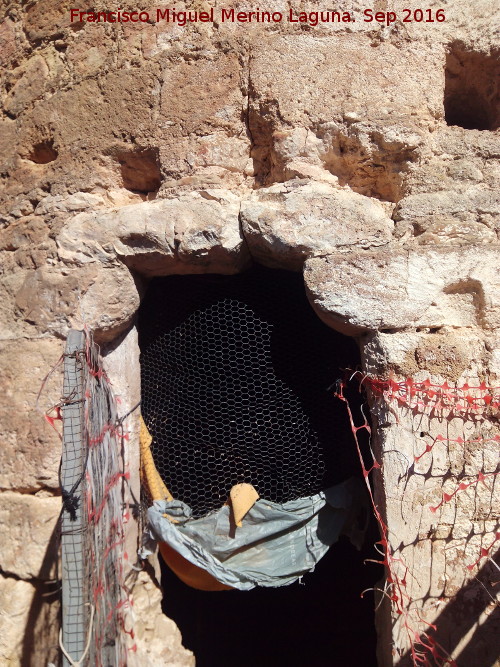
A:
321,622
238,379
472,89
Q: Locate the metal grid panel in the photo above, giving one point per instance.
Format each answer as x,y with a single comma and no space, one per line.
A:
75,615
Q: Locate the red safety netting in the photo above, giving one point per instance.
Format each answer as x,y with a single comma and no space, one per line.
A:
105,479
440,403
100,494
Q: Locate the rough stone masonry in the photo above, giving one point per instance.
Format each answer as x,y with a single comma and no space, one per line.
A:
363,152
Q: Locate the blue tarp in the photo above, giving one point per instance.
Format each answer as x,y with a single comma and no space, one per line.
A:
276,544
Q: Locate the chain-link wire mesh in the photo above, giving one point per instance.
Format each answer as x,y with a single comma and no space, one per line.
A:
236,387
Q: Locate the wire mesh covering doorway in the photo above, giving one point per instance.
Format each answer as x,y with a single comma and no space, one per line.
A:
237,377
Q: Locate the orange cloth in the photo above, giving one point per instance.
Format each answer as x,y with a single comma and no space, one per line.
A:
190,574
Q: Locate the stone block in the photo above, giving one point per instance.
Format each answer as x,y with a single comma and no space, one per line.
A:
29,624
290,222
197,232
464,215
30,85
297,81
406,289
31,450
158,639
16,598
31,549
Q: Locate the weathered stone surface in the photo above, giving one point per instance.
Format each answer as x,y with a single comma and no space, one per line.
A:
470,215
109,304
29,624
15,601
339,85
287,223
447,352
31,450
469,23
158,639
194,233
30,551
55,301
213,81
405,289
48,297
79,201
11,284
452,537
494,348
7,143
121,361
373,156
31,80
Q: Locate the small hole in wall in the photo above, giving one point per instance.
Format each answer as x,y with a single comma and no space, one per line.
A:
140,169
43,152
76,27
374,170
261,132
472,90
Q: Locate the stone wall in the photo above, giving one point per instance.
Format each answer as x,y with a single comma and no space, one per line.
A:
364,154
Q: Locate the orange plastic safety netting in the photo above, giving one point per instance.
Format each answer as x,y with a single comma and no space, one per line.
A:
448,409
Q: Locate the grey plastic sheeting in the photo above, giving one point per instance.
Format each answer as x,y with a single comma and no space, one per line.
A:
276,544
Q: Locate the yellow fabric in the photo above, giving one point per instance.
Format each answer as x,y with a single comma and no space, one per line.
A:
243,497
149,473
190,574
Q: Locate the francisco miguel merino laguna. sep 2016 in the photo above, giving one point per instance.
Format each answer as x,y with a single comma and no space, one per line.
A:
222,15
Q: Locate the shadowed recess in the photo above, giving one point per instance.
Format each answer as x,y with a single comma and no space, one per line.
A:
43,152
472,89
236,375
140,169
